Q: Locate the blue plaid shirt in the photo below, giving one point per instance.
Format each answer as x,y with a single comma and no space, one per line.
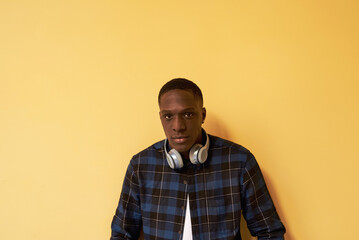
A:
154,196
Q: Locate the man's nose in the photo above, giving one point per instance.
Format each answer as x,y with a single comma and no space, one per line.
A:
178,124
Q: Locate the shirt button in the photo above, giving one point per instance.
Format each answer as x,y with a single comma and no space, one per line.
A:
182,207
185,182
179,232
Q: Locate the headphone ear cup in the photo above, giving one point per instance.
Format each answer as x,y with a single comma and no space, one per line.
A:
197,155
202,155
194,154
174,159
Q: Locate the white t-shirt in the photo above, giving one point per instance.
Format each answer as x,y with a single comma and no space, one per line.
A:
187,230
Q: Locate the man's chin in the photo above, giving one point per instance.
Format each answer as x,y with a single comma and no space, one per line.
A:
181,148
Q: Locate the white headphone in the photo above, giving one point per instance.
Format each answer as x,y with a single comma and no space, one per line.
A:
198,154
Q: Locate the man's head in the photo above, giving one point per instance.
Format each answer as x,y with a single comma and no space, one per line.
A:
182,114
183,84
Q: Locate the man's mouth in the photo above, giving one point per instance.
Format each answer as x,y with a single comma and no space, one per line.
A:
180,139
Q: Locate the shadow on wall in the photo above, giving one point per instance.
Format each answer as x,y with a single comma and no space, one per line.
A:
288,235
215,127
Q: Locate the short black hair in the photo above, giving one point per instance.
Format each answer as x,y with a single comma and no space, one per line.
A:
183,84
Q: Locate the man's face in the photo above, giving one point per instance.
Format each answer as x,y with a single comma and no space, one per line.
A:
182,116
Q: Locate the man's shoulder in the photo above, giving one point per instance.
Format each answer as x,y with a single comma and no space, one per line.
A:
222,150
221,143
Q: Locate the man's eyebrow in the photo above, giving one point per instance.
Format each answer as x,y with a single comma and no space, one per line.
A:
183,110
189,109
165,111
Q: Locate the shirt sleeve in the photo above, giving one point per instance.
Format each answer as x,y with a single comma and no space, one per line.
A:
126,223
258,208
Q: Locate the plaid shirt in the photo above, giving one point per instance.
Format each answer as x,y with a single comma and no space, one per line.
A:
154,196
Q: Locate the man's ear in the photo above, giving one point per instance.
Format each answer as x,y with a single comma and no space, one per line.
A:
204,114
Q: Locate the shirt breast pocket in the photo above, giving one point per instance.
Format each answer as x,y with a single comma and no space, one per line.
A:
224,212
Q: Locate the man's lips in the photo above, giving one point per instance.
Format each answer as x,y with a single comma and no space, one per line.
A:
179,139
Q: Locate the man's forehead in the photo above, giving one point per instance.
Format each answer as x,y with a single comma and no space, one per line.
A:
179,96
182,92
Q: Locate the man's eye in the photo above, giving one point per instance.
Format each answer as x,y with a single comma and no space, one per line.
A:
167,116
188,115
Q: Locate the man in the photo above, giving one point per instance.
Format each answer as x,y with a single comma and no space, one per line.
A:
193,185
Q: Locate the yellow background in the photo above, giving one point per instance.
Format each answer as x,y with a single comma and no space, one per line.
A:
78,97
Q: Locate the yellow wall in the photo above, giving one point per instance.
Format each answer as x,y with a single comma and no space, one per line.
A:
78,88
